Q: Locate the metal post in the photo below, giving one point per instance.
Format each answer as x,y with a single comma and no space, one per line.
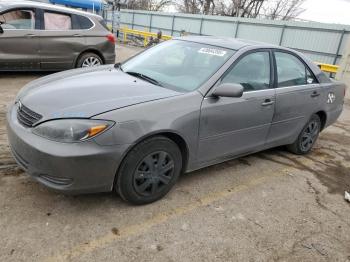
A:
236,32
113,17
118,17
150,23
200,28
132,22
339,45
172,26
282,34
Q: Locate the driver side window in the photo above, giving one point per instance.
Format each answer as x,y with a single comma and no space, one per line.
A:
252,72
18,19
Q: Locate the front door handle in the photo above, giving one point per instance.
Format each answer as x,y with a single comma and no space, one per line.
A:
268,102
315,94
30,35
77,35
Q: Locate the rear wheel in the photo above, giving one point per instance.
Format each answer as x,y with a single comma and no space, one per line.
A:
307,137
89,60
149,171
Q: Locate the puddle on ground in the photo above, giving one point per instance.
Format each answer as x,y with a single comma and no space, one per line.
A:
329,162
341,139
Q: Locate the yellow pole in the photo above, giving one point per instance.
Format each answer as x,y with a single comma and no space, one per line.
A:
124,35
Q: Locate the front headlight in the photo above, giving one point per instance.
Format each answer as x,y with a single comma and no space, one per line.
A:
72,130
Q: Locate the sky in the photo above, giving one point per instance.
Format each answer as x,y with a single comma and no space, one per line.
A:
327,11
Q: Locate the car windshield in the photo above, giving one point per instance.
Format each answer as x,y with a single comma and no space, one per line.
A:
179,65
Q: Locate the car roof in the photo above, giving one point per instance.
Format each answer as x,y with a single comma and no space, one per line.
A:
227,42
25,3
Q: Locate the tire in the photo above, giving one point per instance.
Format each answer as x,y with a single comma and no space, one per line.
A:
307,137
89,60
149,171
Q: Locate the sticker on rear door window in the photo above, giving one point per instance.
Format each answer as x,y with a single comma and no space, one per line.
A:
212,51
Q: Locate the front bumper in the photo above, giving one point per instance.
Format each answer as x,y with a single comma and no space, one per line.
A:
84,167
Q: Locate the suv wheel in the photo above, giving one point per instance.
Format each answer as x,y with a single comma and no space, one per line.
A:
149,171
89,60
307,137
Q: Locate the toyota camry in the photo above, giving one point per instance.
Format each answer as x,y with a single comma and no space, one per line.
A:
182,105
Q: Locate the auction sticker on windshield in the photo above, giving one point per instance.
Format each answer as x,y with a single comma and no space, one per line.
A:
212,51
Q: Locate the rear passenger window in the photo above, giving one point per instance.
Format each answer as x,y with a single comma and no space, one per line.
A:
57,21
252,72
291,71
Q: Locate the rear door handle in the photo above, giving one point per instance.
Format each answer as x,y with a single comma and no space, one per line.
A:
30,35
77,35
315,94
268,102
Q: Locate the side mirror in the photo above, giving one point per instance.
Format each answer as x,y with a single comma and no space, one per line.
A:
228,90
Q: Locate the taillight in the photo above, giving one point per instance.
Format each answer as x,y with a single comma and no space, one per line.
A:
111,38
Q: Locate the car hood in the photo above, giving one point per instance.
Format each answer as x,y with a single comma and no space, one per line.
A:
85,93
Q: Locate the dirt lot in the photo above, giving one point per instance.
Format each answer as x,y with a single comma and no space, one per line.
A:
271,206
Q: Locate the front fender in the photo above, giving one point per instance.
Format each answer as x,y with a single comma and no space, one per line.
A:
178,115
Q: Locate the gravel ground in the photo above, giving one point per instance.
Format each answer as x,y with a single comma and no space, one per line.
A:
270,206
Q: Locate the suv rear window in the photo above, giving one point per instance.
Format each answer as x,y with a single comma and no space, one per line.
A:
81,22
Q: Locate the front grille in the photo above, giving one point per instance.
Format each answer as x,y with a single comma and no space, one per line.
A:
26,116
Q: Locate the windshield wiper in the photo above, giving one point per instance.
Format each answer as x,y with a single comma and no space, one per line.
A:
144,77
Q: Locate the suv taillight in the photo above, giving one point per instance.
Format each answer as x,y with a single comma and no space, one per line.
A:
111,38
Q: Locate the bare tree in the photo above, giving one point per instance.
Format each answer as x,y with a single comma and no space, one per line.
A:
271,9
205,7
239,8
149,5
189,6
283,9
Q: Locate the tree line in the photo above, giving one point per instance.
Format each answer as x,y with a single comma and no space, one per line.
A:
269,9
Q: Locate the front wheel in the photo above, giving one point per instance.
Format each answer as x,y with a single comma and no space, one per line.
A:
149,171
307,137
